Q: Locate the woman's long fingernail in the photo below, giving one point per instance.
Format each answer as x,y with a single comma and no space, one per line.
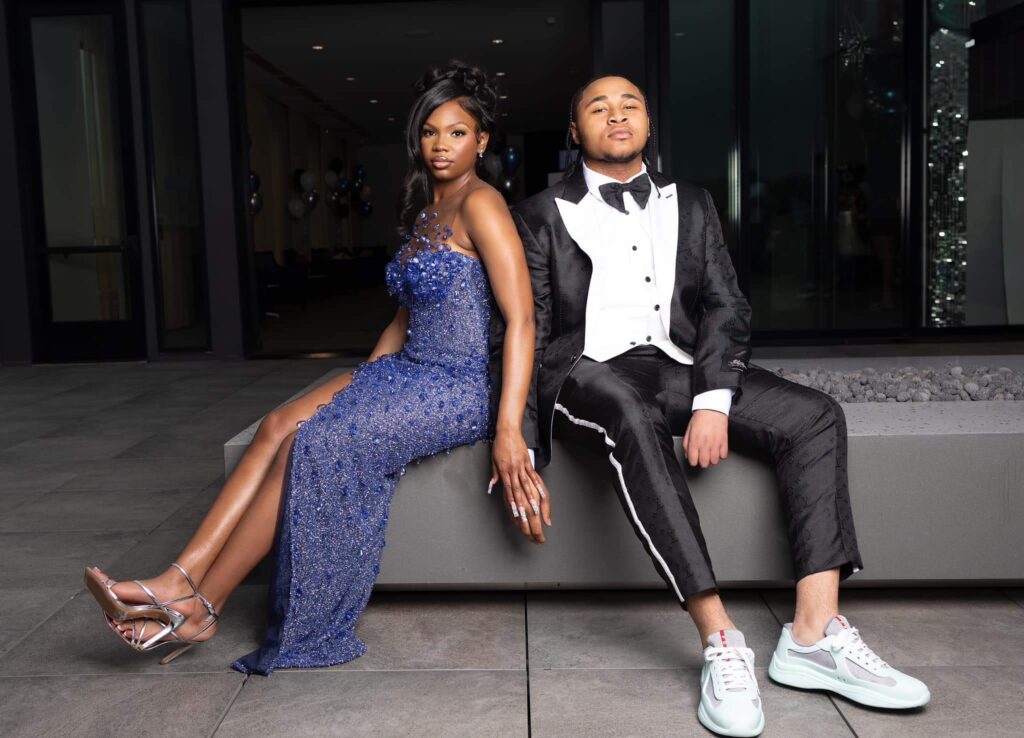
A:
522,511
515,510
540,491
535,506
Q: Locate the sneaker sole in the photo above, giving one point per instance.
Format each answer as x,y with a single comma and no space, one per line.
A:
809,680
710,724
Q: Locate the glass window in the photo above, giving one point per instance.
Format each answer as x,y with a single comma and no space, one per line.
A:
826,110
174,162
790,112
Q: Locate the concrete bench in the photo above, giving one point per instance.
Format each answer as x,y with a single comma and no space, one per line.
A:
937,491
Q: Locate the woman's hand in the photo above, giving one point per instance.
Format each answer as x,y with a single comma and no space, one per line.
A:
526,497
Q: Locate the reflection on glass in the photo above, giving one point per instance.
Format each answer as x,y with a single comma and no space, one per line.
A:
79,146
88,287
79,140
175,159
826,106
975,256
702,99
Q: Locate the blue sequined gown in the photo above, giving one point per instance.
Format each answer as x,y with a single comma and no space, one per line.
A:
347,458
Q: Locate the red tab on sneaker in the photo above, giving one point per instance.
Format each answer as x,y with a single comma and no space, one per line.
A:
836,625
728,638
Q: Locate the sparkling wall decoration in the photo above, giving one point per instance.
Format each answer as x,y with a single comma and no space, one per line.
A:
947,177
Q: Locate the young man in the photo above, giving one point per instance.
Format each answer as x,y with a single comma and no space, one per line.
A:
643,333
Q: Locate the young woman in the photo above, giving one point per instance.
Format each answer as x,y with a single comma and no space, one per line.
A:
317,482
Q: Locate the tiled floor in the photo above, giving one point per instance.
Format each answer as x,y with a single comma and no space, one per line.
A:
115,465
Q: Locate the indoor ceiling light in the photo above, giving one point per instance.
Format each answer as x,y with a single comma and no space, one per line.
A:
318,47
350,79
497,40
503,97
373,101
499,74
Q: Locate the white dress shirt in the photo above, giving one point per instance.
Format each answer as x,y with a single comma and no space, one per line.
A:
623,304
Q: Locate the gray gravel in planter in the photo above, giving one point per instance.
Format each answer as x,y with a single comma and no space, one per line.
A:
909,384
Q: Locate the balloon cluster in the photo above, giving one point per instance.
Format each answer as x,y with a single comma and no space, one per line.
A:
510,160
338,187
255,203
361,191
309,196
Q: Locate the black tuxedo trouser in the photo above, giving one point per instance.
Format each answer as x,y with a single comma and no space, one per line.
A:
634,403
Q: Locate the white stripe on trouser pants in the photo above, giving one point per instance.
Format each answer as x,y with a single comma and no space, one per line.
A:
625,491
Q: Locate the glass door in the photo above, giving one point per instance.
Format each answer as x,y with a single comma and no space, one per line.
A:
84,229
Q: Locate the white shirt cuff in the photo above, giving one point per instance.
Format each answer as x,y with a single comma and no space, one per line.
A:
716,399
533,461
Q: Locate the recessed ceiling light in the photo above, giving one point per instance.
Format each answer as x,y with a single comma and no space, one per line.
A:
318,47
499,74
373,101
391,118
504,115
497,40
503,97
350,79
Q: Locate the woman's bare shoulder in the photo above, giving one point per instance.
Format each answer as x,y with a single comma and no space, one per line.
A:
483,200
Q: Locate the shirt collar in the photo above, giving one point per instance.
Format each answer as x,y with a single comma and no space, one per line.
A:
595,179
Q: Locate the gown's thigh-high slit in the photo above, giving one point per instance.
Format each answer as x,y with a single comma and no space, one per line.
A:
347,459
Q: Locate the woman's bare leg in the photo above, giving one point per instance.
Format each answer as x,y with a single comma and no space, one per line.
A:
251,540
238,494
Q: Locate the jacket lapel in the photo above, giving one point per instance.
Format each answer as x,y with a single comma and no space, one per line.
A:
666,244
573,206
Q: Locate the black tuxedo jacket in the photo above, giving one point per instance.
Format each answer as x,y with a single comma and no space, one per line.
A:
709,316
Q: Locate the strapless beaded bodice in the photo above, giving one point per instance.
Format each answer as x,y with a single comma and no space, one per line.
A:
448,297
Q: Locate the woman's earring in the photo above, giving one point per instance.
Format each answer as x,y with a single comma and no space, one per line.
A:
480,154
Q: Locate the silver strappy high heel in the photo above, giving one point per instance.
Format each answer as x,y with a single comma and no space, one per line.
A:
117,611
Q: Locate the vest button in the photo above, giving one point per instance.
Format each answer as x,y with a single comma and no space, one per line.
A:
647,279
657,307
634,248
648,339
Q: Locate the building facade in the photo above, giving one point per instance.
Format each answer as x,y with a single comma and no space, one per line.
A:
214,177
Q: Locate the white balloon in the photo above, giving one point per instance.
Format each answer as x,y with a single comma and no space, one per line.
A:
308,180
296,208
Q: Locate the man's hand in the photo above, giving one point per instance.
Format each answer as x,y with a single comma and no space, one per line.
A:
707,438
527,499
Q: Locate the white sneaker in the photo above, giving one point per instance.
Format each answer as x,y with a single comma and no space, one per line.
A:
843,663
730,701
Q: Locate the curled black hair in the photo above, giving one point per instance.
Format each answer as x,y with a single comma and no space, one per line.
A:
478,96
573,163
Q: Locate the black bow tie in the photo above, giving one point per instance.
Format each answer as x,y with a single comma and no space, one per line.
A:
639,187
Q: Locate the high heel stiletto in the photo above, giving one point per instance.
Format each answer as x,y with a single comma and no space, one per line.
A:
137,640
116,611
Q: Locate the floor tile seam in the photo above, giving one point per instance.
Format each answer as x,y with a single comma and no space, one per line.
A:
760,594
622,668
526,657
842,715
368,670
228,706
325,670
46,618
1007,595
113,675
